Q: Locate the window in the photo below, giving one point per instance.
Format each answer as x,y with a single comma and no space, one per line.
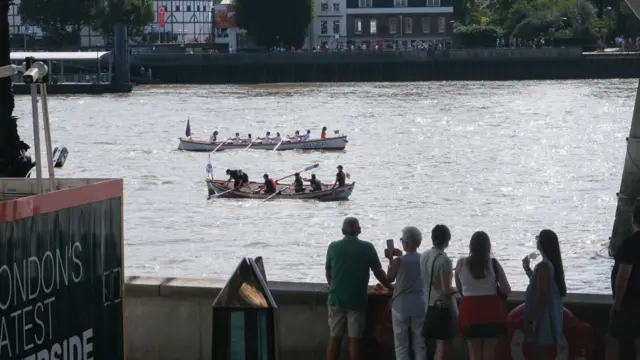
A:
177,8
433,2
336,7
336,27
426,25
400,3
393,26
324,27
373,26
188,7
442,24
358,26
324,6
365,3
198,8
408,25
204,8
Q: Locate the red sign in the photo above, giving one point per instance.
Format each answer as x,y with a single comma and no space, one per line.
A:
225,17
161,16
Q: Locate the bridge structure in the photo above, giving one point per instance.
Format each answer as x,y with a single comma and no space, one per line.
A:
629,194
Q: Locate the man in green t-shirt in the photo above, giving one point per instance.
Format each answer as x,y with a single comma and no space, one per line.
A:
347,270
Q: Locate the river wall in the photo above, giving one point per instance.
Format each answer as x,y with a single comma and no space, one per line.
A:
171,318
437,65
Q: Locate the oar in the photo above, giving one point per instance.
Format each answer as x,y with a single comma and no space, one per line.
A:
303,170
245,149
278,192
224,192
277,146
217,147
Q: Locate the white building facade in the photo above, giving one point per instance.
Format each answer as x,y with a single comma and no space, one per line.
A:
188,21
184,20
329,28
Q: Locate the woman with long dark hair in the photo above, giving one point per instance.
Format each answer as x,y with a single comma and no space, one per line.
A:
483,318
543,301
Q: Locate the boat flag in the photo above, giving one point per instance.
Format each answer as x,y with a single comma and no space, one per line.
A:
209,168
188,131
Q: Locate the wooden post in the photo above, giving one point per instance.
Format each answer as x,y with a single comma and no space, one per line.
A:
630,184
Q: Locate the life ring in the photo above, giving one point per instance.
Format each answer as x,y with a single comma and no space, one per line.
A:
520,350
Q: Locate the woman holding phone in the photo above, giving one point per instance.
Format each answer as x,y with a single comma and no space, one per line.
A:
407,303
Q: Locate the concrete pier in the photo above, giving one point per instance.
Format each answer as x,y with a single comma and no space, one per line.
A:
170,318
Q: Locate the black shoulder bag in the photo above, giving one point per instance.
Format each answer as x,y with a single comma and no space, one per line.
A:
438,322
499,292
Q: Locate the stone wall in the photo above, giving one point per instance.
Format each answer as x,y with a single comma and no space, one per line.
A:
171,318
545,54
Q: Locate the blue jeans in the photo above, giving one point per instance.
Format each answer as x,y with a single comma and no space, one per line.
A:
405,327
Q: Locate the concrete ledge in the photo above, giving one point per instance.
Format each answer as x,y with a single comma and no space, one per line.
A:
358,57
171,318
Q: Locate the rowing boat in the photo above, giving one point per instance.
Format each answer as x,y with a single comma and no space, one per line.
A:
221,189
333,143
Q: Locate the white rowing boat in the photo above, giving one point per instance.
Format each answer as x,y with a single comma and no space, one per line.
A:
333,143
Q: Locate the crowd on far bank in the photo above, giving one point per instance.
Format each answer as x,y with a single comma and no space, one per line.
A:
424,301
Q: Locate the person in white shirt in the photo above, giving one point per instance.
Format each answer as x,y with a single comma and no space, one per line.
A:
295,137
306,136
248,140
277,139
236,140
266,139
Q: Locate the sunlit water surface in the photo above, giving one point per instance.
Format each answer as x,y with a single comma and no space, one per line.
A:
509,158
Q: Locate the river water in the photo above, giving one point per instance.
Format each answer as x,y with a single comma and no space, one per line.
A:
509,158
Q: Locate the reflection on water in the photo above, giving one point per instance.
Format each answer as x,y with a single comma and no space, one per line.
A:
509,158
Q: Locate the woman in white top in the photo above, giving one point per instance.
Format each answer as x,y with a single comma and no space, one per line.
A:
482,318
437,271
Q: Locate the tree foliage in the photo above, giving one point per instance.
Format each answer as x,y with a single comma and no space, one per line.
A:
528,19
61,20
13,159
267,24
135,14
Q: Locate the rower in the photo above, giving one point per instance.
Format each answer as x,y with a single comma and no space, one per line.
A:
233,175
323,136
341,178
248,140
269,185
214,137
306,136
239,178
277,139
266,139
243,179
316,185
295,137
298,184
236,140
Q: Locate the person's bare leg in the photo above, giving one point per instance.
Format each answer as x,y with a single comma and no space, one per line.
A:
475,349
443,350
489,348
333,348
354,348
611,348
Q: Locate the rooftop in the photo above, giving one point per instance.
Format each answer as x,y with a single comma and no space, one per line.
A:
78,55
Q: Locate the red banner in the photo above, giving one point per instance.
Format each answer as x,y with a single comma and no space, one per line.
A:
161,16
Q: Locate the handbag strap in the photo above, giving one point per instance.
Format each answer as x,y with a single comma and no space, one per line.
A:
433,265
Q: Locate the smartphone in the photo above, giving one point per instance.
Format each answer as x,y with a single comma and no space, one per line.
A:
390,244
